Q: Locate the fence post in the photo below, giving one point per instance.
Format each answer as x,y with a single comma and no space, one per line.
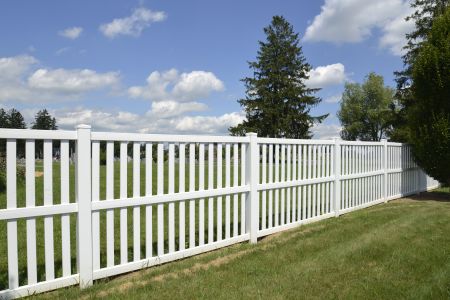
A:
252,179
385,164
83,194
337,176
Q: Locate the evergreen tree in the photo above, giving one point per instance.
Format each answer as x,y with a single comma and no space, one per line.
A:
429,115
426,11
15,119
4,119
364,112
277,101
43,120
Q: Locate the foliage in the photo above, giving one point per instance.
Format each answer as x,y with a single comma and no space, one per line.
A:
426,11
277,102
12,119
44,121
20,174
429,116
364,112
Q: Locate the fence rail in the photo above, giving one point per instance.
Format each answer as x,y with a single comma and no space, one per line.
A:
130,201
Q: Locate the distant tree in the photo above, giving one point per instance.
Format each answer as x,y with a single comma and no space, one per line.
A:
277,101
429,115
12,119
4,119
425,12
44,121
364,112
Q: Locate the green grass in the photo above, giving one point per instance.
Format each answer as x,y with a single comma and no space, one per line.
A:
399,250
22,237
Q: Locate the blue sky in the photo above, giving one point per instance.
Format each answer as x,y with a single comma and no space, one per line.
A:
175,66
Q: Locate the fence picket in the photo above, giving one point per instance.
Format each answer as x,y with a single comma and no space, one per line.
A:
30,202
181,188
123,195
48,221
11,202
109,196
136,209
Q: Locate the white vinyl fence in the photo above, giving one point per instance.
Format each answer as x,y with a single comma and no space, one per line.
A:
136,200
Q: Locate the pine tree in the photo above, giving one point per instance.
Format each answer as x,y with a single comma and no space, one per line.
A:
277,101
44,121
426,11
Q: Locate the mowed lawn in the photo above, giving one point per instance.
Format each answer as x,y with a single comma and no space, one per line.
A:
390,251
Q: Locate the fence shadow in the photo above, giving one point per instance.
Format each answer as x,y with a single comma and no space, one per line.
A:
439,196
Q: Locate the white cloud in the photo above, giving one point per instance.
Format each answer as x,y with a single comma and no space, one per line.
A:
133,25
209,124
326,131
71,33
20,83
72,81
168,109
123,121
333,99
394,33
352,21
172,86
13,67
324,76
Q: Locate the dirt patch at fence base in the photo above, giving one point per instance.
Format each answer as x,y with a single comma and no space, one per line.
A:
264,244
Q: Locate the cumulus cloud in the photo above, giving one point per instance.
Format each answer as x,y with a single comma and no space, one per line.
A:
71,33
351,21
134,24
123,121
173,86
169,109
324,76
326,131
209,124
71,81
19,82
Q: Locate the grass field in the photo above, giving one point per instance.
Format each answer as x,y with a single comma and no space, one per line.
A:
391,251
22,238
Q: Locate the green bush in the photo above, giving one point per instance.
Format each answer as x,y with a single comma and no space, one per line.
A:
20,174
